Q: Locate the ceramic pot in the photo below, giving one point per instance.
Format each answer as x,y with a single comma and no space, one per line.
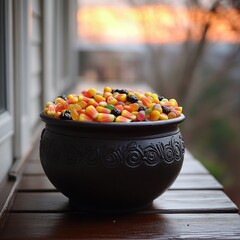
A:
111,167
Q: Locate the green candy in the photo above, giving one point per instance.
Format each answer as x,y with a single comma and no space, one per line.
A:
110,107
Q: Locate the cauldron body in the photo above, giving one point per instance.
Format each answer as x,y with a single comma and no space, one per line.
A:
111,167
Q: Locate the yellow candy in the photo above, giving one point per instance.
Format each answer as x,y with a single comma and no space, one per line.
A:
72,99
135,113
145,100
84,118
172,115
155,98
92,92
105,117
57,114
112,100
122,119
91,111
51,110
179,109
83,98
103,104
48,103
101,109
92,102
163,101
121,97
99,98
148,94
82,103
107,89
163,116
155,115
129,115
107,94
173,102
134,107
151,105
60,100
158,108
139,95
73,108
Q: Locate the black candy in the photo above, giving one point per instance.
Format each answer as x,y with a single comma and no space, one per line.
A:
132,98
66,115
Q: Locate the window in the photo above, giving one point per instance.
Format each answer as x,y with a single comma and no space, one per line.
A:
6,88
3,105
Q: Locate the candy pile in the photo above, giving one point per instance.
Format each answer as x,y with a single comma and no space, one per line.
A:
113,105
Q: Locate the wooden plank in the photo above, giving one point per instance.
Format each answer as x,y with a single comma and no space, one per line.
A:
180,201
33,168
194,201
193,167
36,183
7,190
199,182
135,226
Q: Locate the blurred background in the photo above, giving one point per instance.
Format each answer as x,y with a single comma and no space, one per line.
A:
183,49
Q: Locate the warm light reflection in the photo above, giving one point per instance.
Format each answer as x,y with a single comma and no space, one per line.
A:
156,24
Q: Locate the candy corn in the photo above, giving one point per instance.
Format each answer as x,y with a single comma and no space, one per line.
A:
113,105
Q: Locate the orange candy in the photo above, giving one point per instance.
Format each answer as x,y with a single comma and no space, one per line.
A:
74,108
92,105
119,107
146,101
163,116
84,118
92,102
99,98
72,99
154,115
91,111
51,110
91,92
122,119
127,114
120,97
105,117
101,109
112,100
134,106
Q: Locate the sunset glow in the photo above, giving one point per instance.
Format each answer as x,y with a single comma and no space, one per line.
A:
158,24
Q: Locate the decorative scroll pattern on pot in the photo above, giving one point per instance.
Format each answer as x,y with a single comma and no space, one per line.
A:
132,154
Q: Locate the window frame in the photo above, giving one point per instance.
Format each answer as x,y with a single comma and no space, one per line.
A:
6,118
3,105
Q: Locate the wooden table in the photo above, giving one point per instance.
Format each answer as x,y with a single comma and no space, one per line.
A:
194,207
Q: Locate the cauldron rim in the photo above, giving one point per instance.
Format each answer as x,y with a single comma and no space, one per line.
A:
111,125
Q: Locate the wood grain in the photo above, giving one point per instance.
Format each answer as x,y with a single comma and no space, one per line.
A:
196,181
137,226
195,207
188,201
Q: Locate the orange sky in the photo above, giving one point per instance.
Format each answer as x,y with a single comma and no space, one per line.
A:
158,24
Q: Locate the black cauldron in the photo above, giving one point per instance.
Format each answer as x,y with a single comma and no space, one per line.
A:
111,167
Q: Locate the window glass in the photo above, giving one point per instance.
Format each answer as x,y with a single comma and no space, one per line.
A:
2,60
